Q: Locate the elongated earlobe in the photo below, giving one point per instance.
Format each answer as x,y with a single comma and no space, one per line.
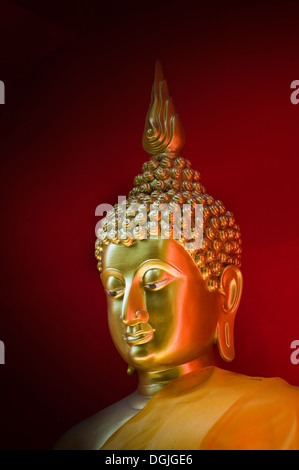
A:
231,287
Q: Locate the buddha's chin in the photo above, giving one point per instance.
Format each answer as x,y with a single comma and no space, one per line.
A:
139,355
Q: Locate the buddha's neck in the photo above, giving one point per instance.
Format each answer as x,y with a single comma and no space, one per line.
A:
151,382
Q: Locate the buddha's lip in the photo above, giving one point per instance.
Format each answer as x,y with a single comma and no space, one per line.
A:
139,337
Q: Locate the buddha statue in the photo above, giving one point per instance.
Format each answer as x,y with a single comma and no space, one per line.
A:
172,297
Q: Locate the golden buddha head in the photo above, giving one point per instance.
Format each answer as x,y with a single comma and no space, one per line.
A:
169,256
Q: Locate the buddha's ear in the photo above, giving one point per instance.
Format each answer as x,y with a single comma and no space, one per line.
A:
231,288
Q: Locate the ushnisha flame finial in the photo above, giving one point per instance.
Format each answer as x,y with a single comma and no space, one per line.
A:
163,131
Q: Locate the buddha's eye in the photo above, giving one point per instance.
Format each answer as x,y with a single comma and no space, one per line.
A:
155,279
114,287
156,285
115,293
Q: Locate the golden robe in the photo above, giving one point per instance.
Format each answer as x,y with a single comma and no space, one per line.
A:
214,409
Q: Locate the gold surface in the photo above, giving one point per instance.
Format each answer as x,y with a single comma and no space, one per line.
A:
162,317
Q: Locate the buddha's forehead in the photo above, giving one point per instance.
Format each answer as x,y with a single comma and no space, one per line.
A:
129,258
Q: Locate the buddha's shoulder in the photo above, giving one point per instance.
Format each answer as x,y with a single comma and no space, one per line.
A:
91,433
264,414
261,389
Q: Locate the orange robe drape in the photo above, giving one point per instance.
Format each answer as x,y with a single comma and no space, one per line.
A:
215,409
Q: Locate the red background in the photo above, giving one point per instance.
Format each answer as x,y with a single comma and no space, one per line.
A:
78,77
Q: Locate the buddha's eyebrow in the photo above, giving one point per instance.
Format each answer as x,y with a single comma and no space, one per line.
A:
111,272
142,268
158,263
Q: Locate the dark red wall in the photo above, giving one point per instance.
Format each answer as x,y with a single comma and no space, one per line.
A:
78,77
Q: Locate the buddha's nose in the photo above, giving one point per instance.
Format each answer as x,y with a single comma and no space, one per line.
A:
133,308
140,316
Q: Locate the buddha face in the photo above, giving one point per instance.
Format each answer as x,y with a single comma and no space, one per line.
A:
160,311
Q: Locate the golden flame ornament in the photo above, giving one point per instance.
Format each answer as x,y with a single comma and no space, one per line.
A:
163,130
